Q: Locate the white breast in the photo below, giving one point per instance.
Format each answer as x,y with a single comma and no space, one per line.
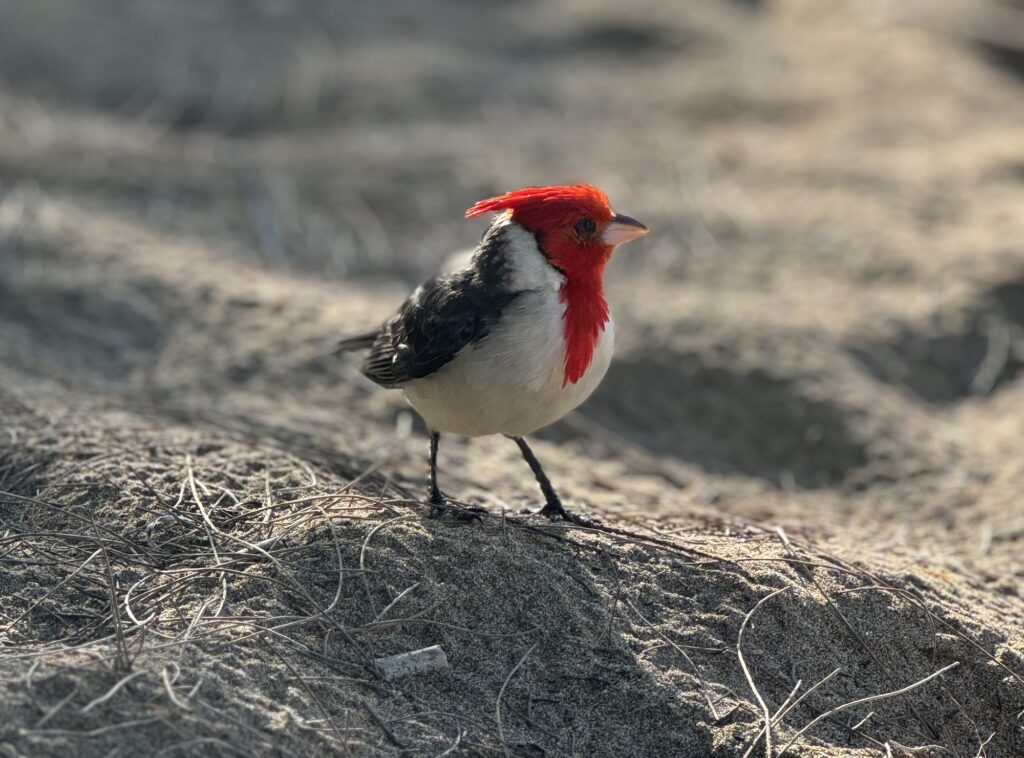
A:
511,381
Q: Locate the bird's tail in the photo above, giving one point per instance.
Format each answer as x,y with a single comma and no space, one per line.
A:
356,342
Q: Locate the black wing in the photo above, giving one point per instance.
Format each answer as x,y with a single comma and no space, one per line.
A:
442,317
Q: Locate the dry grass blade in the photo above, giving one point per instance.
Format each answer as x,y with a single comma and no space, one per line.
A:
342,740
53,589
766,715
863,700
57,707
782,712
122,661
788,704
501,694
382,724
809,575
169,687
93,733
362,558
111,692
678,648
394,602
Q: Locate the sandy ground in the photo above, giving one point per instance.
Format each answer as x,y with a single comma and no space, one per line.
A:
807,450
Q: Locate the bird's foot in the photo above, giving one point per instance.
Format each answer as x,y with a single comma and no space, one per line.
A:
440,506
555,511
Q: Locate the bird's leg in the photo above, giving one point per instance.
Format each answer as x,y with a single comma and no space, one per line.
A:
553,507
438,499
436,496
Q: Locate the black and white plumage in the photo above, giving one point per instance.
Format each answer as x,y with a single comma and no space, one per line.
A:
442,317
483,350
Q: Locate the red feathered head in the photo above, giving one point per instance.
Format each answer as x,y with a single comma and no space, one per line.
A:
541,209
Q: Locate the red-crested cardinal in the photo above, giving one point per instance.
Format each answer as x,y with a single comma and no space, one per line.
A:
517,338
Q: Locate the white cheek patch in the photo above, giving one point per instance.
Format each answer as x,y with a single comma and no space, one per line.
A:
529,267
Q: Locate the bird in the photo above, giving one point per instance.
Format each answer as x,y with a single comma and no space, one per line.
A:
516,338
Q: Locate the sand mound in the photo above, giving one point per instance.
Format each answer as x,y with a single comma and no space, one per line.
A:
171,585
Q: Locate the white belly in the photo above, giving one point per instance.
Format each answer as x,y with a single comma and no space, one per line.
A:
511,381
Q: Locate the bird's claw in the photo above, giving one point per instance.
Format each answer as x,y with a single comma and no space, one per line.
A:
555,511
441,507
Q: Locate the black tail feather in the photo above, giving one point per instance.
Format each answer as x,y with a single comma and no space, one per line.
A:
357,342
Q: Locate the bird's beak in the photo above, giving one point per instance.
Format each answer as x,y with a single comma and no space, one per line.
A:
622,229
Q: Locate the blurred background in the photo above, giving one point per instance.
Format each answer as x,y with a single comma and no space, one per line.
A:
824,327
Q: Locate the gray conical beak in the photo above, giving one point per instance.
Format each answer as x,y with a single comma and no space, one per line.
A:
622,229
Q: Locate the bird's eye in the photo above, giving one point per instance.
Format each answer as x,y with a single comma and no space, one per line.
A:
585,227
